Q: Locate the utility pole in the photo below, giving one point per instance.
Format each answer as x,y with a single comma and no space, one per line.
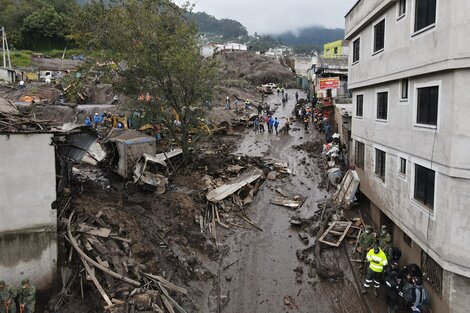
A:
5,50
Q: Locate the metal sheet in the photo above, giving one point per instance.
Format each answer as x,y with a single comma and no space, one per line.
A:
226,190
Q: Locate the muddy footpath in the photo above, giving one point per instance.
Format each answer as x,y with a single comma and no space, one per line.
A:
184,253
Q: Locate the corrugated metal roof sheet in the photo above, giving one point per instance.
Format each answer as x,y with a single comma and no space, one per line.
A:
77,145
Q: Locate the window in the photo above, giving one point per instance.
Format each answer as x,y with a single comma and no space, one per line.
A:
427,105
401,8
434,272
379,36
404,88
359,105
336,50
360,152
424,185
380,163
407,239
382,104
356,49
425,14
402,166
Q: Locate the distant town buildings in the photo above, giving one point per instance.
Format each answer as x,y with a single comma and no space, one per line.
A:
335,49
409,74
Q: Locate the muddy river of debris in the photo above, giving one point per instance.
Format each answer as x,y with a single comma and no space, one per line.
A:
241,255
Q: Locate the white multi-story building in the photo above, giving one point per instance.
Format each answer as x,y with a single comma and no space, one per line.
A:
409,73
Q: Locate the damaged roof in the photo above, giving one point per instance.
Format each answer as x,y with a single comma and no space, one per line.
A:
128,137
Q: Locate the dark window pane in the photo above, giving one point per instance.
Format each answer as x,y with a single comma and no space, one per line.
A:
380,163
424,185
403,166
382,105
379,32
404,88
425,13
402,7
359,105
356,49
360,152
427,105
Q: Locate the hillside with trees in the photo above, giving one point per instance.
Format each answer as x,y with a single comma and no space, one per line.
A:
226,28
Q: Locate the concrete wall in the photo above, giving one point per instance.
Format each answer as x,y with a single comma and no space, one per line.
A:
7,75
406,53
28,225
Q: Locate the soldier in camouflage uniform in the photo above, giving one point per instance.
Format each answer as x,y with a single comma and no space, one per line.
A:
27,297
366,242
7,298
385,240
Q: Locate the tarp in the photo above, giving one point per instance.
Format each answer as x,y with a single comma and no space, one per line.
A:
226,190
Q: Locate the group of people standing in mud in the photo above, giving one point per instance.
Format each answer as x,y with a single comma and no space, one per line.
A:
405,287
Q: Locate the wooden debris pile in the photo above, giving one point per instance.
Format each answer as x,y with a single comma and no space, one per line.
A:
13,121
105,259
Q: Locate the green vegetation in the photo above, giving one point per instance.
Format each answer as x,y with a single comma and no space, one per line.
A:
21,58
227,29
37,24
158,55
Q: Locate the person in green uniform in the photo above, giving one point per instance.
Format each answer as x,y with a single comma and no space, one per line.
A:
366,242
7,298
27,297
385,239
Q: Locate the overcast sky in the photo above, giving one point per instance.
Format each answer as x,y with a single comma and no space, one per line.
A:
276,16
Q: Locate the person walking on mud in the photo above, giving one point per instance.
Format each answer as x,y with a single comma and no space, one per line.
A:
256,125
261,124
306,121
276,124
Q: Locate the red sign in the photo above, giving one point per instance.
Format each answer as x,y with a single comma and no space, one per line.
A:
329,83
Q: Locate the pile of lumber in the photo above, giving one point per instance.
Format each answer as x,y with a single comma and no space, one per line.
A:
107,262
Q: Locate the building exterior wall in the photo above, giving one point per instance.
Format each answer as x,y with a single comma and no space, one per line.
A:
28,239
405,53
7,75
432,57
334,49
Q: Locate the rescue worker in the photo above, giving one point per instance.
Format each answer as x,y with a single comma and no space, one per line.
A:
278,90
27,297
282,90
296,97
385,239
270,124
260,109
377,263
96,120
247,104
88,121
7,298
366,242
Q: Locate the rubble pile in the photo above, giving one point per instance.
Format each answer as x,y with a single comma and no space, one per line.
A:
105,258
13,121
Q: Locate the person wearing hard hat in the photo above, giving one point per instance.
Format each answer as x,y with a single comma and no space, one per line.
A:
377,263
96,119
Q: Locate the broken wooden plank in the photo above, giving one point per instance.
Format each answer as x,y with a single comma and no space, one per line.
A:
98,245
250,222
96,282
92,230
229,188
331,231
166,283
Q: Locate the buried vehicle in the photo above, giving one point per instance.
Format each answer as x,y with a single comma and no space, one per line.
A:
151,171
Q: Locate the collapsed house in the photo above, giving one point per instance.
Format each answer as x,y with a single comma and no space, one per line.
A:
28,188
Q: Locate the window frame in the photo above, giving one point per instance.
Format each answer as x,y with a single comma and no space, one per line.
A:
358,160
362,105
355,61
430,122
413,25
402,169
377,118
407,89
380,173
374,36
424,203
401,14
